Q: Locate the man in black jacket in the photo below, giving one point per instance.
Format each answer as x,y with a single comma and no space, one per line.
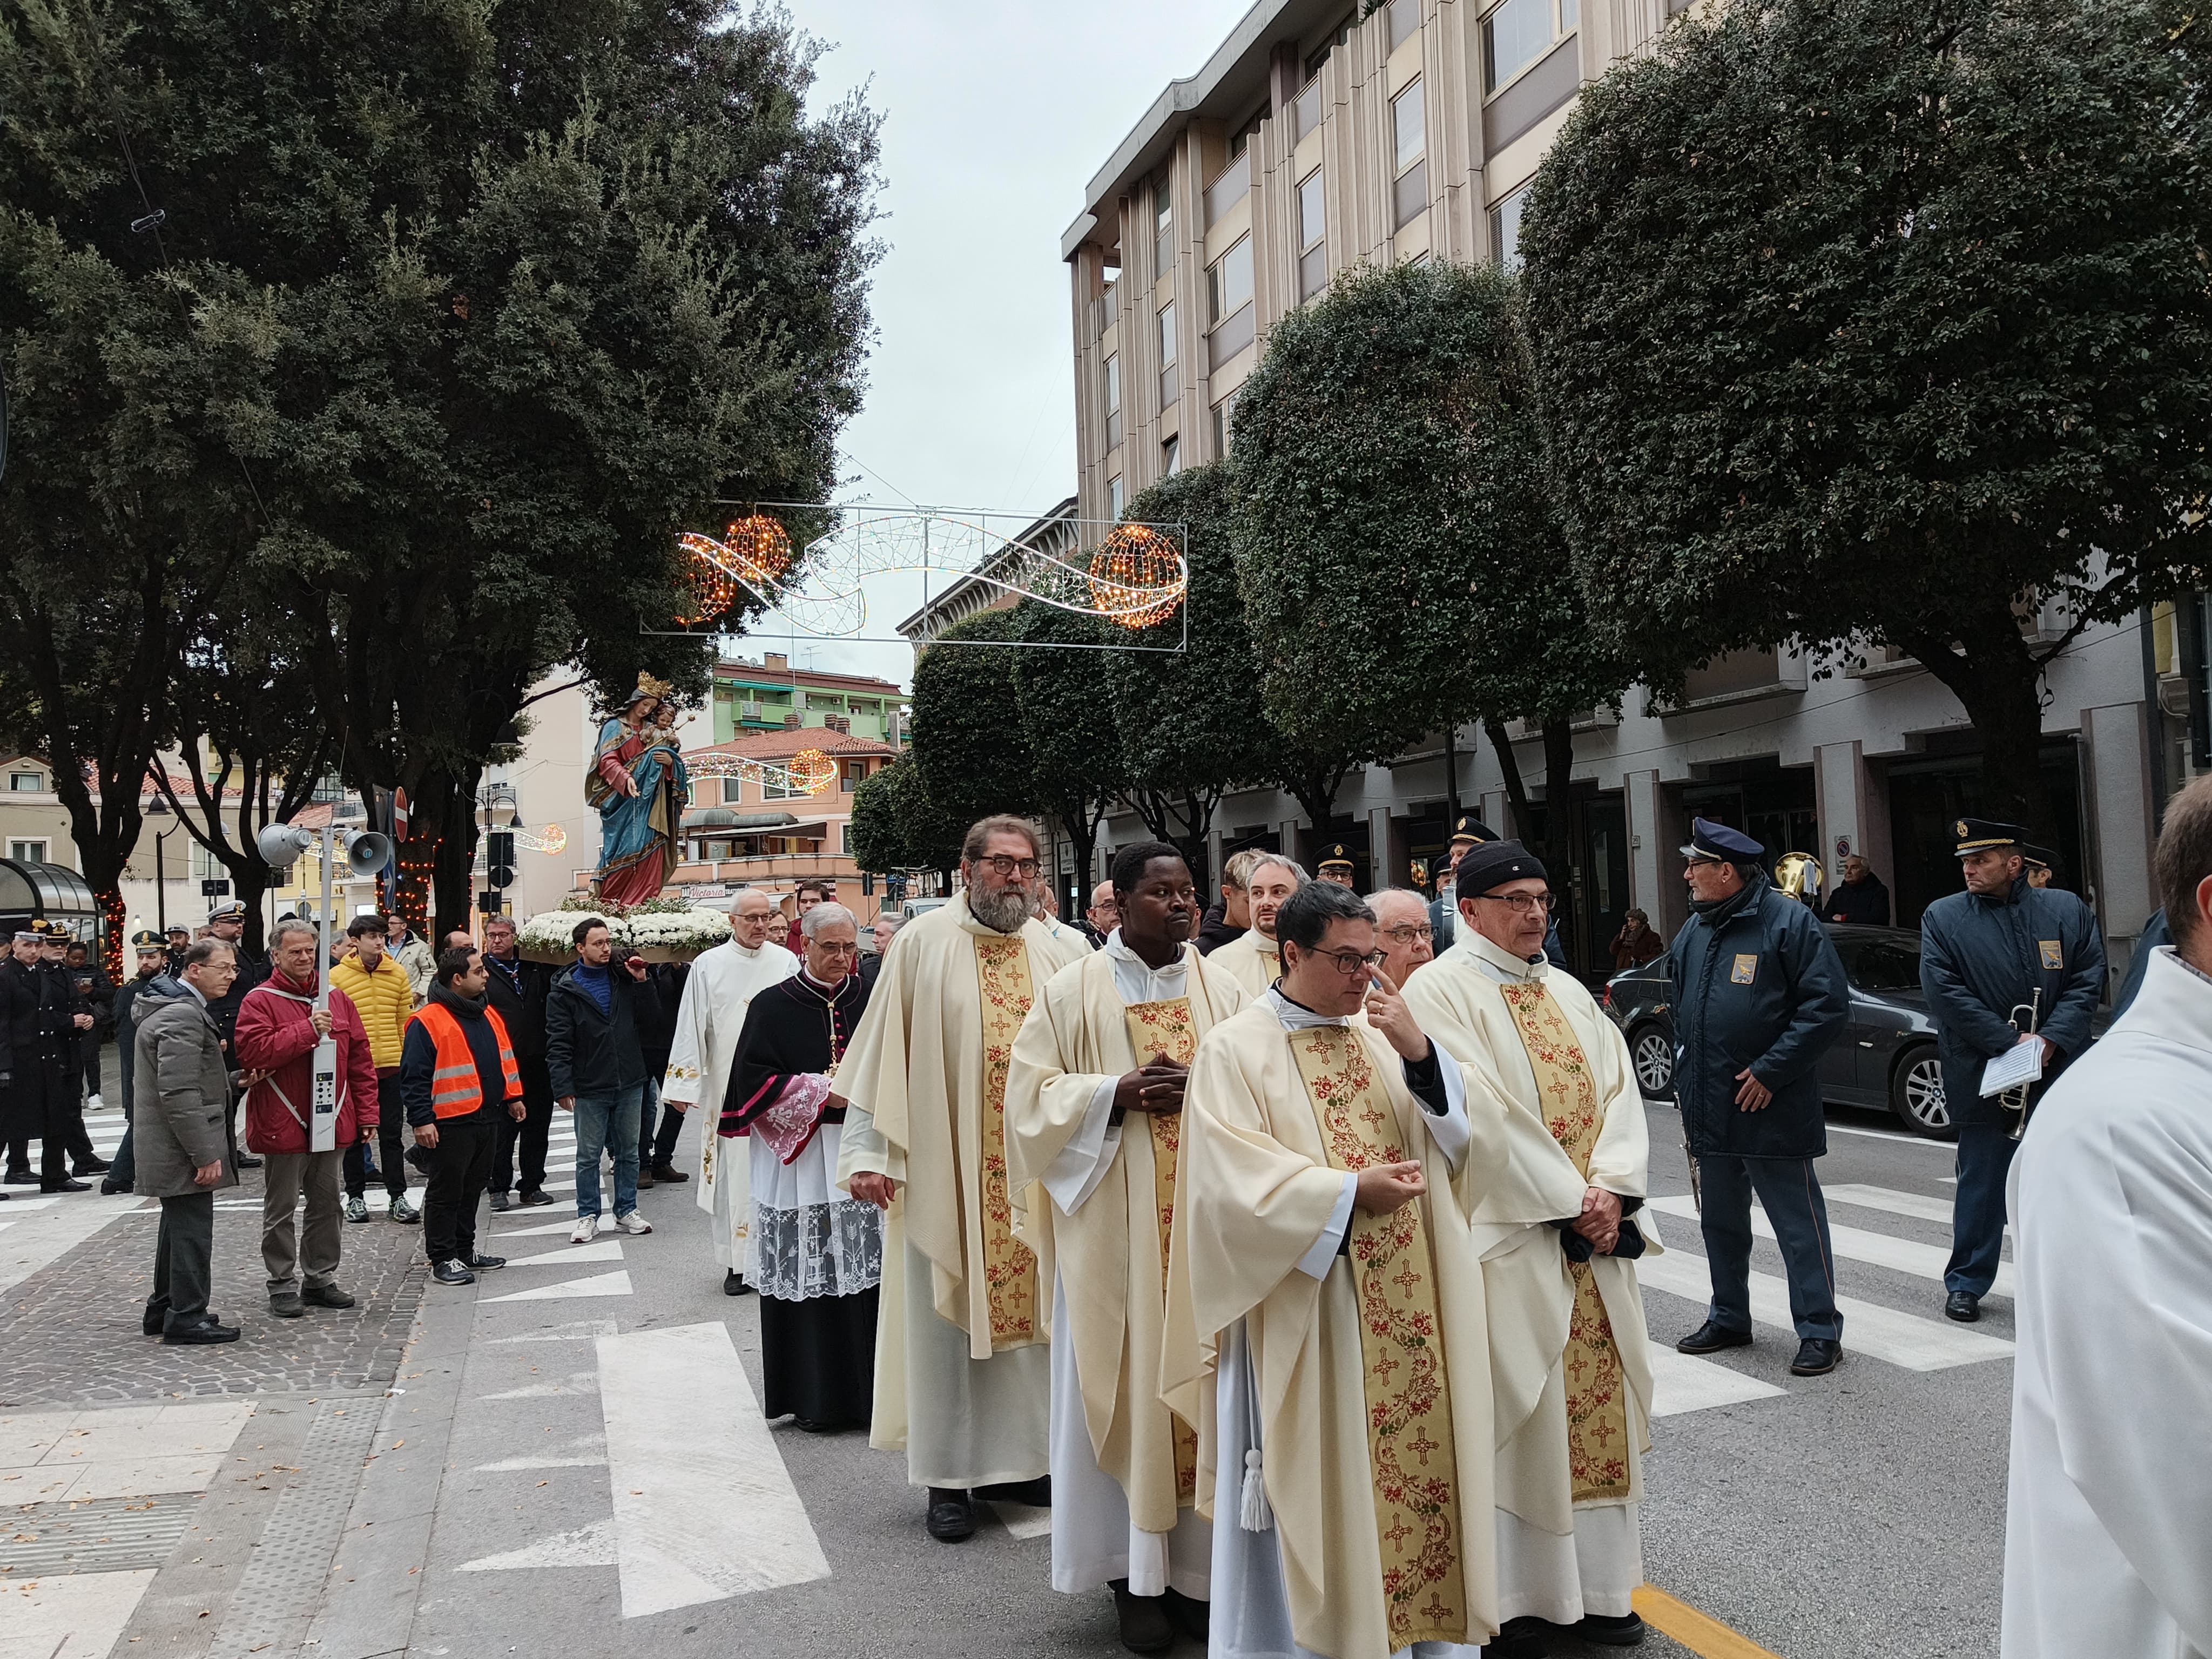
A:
519,991
1860,898
92,984
597,1069
1759,996
657,1001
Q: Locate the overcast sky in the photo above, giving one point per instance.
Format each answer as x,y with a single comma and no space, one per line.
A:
997,113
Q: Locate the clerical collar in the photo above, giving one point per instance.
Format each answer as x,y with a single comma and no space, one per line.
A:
1119,950
1296,1016
820,986
1499,962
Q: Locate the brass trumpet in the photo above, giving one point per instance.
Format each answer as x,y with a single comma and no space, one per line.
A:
1797,876
2015,1099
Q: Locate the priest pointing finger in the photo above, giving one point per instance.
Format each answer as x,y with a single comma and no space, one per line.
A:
964,1379
1557,1234
1094,1112
1326,1325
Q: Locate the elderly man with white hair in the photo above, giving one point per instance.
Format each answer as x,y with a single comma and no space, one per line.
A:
1403,932
709,1021
816,1256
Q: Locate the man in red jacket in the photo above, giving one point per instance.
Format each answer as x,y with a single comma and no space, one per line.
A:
278,1027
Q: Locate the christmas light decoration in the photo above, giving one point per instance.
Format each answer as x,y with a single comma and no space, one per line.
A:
111,945
808,772
1137,577
753,553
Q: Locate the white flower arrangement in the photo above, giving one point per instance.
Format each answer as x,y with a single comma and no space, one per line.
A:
659,930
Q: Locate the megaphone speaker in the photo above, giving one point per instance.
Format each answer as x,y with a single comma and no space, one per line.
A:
280,845
367,852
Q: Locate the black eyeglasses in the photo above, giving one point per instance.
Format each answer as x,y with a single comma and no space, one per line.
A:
1349,962
1522,903
1006,865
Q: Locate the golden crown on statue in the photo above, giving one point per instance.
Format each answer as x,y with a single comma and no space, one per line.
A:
649,686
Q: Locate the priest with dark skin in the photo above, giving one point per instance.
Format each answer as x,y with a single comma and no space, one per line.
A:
1159,915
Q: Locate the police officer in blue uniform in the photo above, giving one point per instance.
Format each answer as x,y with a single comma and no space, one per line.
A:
1983,953
1759,996
1467,830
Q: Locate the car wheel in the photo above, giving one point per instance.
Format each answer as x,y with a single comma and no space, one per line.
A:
1915,1094
1651,1051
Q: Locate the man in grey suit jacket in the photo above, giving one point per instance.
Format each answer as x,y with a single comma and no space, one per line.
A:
184,1148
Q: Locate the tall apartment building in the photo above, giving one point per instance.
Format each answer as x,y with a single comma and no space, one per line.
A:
1313,140
1322,134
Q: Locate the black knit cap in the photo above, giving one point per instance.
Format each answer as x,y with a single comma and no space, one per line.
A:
1488,866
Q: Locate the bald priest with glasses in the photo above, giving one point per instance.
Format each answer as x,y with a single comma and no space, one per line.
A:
1558,1233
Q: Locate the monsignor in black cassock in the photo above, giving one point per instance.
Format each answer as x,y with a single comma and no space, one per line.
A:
815,1256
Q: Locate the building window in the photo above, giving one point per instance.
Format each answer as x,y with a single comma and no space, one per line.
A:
1505,229
1162,229
1240,140
733,791
1113,498
28,852
845,839
1169,385
1335,37
1171,458
1519,32
1225,424
1313,251
1409,125
1113,402
1405,22
27,783
849,775
1229,280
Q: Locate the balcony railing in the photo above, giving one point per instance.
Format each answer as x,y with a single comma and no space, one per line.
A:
1305,110
1228,189
1410,194
1231,335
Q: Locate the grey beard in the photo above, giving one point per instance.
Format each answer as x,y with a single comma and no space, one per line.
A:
1002,912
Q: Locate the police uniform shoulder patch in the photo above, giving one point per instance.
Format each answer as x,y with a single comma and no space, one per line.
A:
1746,969
2052,956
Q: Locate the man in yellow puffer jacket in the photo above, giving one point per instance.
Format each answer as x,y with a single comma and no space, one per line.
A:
381,994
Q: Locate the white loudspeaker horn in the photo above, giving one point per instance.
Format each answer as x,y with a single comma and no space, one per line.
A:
367,852
280,845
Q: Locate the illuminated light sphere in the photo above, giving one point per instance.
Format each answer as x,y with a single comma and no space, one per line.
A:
714,589
1136,577
760,547
556,840
812,771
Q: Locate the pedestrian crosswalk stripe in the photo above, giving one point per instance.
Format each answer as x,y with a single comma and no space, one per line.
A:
606,1250
1879,1332
1903,1255
1918,1205
587,1547
614,1283
1681,1382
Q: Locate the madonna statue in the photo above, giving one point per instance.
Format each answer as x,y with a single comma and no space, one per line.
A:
638,783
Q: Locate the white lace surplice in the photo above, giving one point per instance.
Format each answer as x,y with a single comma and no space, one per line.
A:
808,1239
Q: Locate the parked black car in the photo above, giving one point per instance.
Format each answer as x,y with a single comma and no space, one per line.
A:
1885,1059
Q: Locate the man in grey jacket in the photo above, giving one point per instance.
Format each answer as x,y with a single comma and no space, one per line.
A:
182,1121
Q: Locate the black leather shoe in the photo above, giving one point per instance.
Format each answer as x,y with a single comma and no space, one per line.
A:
952,1517
20,1177
108,1188
645,1181
1608,1630
154,1322
1036,1493
1710,1338
484,1264
64,1186
453,1272
1962,1306
535,1199
502,1203
668,1173
1520,1638
1190,1616
1816,1356
93,1166
287,1304
325,1296
205,1332
1144,1626
247,1161
733,1284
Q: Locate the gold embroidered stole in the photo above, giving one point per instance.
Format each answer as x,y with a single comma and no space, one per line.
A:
1165,1028
1597,1402
1409,1426
1010,1270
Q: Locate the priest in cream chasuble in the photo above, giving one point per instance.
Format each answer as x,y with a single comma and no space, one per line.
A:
962,1374
1094,1114
1569,1374
1252,958
708,1022
1326,1327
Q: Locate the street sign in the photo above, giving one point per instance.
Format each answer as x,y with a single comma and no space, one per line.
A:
499,858
490,903
214,887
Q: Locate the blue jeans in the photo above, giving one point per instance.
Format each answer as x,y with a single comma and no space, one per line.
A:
608,1123
1977,1218
1790,1195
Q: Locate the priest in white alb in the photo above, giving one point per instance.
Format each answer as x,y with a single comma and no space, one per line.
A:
1326,1326
963,1378
2108,1525
1558,1233
709,1020
1252,958
1094,1106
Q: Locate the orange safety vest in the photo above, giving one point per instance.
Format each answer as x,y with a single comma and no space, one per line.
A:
456,1090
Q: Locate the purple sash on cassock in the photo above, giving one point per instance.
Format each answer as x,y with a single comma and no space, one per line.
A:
789,1122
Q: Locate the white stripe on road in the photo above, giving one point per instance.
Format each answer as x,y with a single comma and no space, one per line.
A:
704,1508
1918,1205
598,1285
587,1547
1902,1255
1021,1519
1681,1382
544,1229
1906,1340
606,1250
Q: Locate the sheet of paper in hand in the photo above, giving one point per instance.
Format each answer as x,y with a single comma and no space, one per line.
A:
2021,1063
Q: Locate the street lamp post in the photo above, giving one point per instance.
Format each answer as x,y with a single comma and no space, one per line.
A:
496,816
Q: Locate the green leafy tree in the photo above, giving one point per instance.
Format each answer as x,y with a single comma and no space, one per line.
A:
895,825
1063,689
969,740
1871,320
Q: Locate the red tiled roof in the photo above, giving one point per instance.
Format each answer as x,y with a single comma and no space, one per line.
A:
783,745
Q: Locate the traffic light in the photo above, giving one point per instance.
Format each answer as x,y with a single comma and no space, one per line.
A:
499,858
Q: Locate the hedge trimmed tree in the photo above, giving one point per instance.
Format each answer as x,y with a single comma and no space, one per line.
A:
969,741
896,826
1062,692
1881,320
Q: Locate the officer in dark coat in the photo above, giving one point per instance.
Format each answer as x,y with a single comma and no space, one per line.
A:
1759,996
1467,830
39,1010
2003,943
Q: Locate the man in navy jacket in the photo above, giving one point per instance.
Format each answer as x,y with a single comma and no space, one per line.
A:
1759,996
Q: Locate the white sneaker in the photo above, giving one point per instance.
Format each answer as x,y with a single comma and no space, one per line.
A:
586,1229
94,1104
633,1223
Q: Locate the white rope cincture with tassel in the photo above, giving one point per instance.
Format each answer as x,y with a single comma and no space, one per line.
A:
1254,1514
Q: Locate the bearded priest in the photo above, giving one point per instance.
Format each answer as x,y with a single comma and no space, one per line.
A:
963,1378
1094,1106
1325,1327
709,1020
1558,1233
1253,958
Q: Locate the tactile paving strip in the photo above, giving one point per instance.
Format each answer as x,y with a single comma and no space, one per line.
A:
105,1535
282,1586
